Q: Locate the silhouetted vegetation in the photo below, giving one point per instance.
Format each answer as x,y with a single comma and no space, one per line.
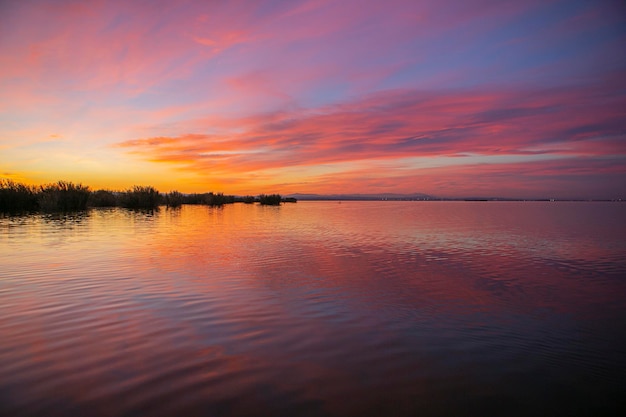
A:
174,199
16,197
270,199
194,199
208,199
218,199
247,199
64,196
102,198
140,197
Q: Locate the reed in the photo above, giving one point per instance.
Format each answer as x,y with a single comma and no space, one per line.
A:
270,199
140,197
174,199
247,199
16,197
103,198
218,199
194,198
63,196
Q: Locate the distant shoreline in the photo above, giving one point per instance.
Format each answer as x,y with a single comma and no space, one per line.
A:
64,196
470,199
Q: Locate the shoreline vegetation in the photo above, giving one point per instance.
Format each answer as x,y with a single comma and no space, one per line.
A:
64,196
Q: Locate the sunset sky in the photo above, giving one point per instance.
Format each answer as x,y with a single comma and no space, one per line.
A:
521,99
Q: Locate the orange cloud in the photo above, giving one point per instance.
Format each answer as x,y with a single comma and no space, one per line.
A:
398,125
248,93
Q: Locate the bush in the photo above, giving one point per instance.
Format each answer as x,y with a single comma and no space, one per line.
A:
194,198
102,198
16,197
174,199
218,199
248,199
140,197
270,199
63,196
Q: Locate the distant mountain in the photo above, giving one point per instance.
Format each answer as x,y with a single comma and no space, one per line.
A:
363,197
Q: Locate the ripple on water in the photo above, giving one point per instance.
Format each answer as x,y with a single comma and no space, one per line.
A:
368,308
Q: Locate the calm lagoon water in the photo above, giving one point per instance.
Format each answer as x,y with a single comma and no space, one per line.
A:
316,309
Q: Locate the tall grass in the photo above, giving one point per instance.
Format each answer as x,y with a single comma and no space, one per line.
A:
63,196
208,199
140,197
16,197
218,199
103,198
270,199
174,199
247,199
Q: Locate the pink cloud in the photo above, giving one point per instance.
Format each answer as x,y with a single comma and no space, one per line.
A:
566,123
561,178
253,89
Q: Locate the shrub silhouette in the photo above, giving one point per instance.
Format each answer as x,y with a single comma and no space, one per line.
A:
218,199
194,198
248,199
270,199
140,197
174,199
63,196
16,197
102,198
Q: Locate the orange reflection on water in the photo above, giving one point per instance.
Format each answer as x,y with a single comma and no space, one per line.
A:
302,306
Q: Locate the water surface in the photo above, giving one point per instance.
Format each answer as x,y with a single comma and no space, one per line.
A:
315,309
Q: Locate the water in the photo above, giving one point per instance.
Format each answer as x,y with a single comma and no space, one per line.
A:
316,309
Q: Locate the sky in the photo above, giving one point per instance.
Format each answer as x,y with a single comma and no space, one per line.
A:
516,99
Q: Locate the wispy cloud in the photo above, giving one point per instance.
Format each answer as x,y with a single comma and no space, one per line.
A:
564,123
249,93
401,123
